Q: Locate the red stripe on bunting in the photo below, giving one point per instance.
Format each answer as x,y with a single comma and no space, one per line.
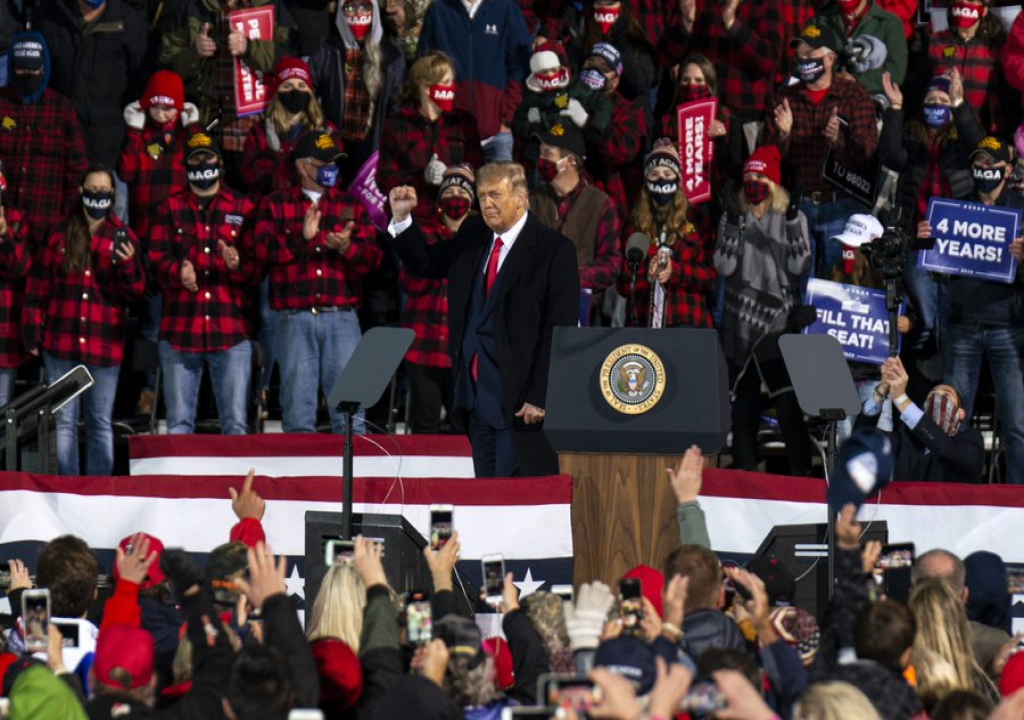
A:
294,445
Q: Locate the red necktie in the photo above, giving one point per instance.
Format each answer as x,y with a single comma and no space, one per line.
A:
489,278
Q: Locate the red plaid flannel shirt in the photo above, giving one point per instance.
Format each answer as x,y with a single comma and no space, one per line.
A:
407,142
979,66
426,307
264,169
43,152
746,56
603,270
15,261
153,170
79,316
803,152
213,318
617,154
693,277
307,273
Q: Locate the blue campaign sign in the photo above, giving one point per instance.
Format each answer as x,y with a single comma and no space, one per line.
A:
971,239
854,316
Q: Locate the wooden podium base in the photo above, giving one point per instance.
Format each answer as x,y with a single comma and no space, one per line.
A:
623,513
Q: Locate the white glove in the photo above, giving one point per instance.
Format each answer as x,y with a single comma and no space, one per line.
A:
585,618
273,141
135,116
435,171
576,113
189,114
533,116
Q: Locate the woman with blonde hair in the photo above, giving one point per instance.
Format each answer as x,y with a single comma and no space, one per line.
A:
293,109
427,135
834,700
338,608
943,628
672,286
762,252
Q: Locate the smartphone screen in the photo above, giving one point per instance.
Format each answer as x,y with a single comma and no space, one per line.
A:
69,631
570,693
631,605
563,591
703,698
440,525
526,713
120,239
35,614
494,577
892,570
419,622
338,551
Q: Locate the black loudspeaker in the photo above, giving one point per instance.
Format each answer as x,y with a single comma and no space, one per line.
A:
803,550
403,559
636,390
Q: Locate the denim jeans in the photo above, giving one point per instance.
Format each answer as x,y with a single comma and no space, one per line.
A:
499,148
229,378
966,345
7,378
98,404
266,334
312,350
824,222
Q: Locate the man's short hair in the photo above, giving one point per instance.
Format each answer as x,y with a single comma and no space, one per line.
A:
942,565
883,631
504,170
704,570
260,685
68,569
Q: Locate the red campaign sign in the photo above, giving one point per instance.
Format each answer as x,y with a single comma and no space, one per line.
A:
696,150
250,90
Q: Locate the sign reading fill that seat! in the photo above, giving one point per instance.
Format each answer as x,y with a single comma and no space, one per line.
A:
971,239
853,315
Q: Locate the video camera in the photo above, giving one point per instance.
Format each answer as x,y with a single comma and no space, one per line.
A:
888,253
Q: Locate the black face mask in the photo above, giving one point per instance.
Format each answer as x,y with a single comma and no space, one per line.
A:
27,85
203,175
987,179
97,204
294,101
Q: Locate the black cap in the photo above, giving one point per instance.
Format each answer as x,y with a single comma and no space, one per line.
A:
993,146
462,636
318,145
566,136
817,36
199,142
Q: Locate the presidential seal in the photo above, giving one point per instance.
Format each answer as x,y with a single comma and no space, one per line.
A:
632,379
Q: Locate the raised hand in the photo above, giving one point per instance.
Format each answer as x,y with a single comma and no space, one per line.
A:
402,200
205,45
892,91
247,503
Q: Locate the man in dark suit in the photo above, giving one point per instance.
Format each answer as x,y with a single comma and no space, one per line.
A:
930,443
510,282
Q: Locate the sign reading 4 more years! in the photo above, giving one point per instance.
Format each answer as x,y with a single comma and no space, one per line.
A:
853,315
971,239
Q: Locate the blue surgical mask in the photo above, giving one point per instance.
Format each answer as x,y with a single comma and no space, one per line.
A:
662,191
327,175
935,116
97,204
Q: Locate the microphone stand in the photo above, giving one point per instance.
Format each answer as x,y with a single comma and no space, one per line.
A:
633,319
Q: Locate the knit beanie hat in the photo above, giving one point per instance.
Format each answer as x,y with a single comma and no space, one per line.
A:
341,675
940,83
548,56
289,68
460,175
663,153
164,88
765,160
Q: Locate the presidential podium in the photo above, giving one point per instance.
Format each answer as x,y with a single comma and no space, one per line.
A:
623,404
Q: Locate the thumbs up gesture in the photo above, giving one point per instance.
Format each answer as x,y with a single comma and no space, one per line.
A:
434,173
205,45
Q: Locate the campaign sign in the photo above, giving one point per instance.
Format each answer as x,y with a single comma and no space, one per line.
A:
364,189
250,90
859,184
696,151
971,239
853,315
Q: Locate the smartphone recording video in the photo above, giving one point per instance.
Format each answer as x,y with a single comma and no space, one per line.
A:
419,622
35,614
892,570
339,551
493,567
567,692
631,606
441,525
